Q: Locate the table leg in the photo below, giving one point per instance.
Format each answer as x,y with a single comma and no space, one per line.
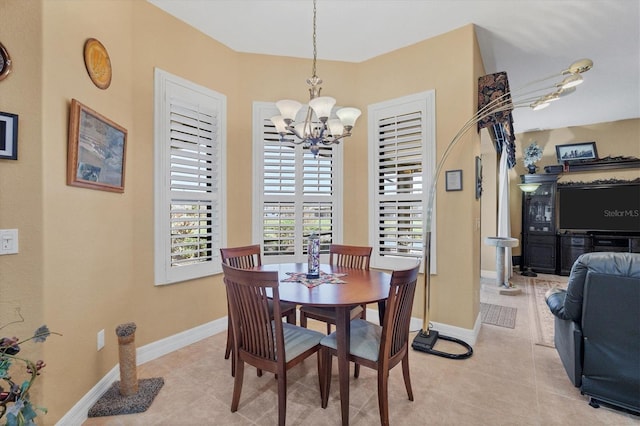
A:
382,306
343,331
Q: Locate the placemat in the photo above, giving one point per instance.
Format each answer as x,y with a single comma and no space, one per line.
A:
301,277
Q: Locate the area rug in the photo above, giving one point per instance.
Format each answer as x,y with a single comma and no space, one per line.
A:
542,321
502,316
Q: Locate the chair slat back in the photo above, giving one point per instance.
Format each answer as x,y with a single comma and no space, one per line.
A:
245,257
395,328
254,330
350,256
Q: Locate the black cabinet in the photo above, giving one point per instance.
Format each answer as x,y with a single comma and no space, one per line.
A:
571,247
547,249
541,253
539,241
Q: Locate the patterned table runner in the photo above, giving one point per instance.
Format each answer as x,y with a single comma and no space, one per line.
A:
301,277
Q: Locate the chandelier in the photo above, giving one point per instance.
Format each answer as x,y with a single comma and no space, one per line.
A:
318,127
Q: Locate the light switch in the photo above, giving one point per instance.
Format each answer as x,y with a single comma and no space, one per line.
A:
8,241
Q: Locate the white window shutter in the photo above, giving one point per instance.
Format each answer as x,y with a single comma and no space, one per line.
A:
401,156
296,193
190,139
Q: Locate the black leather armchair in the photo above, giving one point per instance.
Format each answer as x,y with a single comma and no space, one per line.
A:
597,327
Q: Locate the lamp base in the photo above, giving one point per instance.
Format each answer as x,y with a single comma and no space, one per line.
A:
425,340
313,276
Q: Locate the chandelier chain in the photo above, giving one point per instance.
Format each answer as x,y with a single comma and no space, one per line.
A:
315,50
318,128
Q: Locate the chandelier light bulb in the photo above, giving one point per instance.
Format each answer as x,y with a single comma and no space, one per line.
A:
572,80
289,109
322,106
302,131
281,126
335,127
579,66
539,104
348,116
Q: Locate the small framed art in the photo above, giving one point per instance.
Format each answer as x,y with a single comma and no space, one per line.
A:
453,180
96,150
8,136
576,152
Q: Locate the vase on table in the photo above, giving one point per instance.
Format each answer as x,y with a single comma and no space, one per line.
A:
313,252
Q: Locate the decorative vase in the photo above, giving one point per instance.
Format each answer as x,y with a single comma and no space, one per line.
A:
313,252
532,168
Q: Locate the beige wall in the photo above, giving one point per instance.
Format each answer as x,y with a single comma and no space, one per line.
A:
450,64
86,258
21,181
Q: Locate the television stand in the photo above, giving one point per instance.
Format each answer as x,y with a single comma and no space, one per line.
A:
572,245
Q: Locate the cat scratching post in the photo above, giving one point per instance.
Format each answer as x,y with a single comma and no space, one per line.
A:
129,395
127,352
504,286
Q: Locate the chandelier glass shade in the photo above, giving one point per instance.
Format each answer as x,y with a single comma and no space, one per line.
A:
319,126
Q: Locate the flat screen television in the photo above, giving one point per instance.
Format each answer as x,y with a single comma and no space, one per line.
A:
612,208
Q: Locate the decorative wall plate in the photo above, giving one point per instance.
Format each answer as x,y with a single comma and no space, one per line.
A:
98,64
5,62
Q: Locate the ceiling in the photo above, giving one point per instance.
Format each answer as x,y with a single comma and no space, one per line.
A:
527,39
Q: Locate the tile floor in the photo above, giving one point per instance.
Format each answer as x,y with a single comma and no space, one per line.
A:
509,380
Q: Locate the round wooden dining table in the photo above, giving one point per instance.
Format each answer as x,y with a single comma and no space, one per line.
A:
360,287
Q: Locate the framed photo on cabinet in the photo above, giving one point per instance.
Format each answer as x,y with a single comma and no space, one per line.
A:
96,150
576,152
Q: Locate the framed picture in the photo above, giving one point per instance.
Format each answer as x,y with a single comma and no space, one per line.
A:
576,152
8,136
453,180
96,150
478,178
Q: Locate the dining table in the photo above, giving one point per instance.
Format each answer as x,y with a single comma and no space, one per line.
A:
358,287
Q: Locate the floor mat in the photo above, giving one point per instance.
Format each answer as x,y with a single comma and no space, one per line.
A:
502,316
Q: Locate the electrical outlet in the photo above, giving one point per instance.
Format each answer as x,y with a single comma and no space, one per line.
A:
100,339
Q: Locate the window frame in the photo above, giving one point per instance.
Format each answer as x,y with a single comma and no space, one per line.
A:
167,85
423,102
262,112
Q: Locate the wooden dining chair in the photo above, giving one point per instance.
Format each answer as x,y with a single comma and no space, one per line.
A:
379,347
340,255
247,257
266,343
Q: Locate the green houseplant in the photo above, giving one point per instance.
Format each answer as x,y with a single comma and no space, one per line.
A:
15,401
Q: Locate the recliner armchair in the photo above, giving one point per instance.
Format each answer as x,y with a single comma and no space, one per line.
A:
597,327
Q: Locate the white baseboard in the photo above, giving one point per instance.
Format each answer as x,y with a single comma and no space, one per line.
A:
488,274
463,334
78,413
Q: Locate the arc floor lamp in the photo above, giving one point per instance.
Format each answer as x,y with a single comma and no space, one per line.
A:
497,109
